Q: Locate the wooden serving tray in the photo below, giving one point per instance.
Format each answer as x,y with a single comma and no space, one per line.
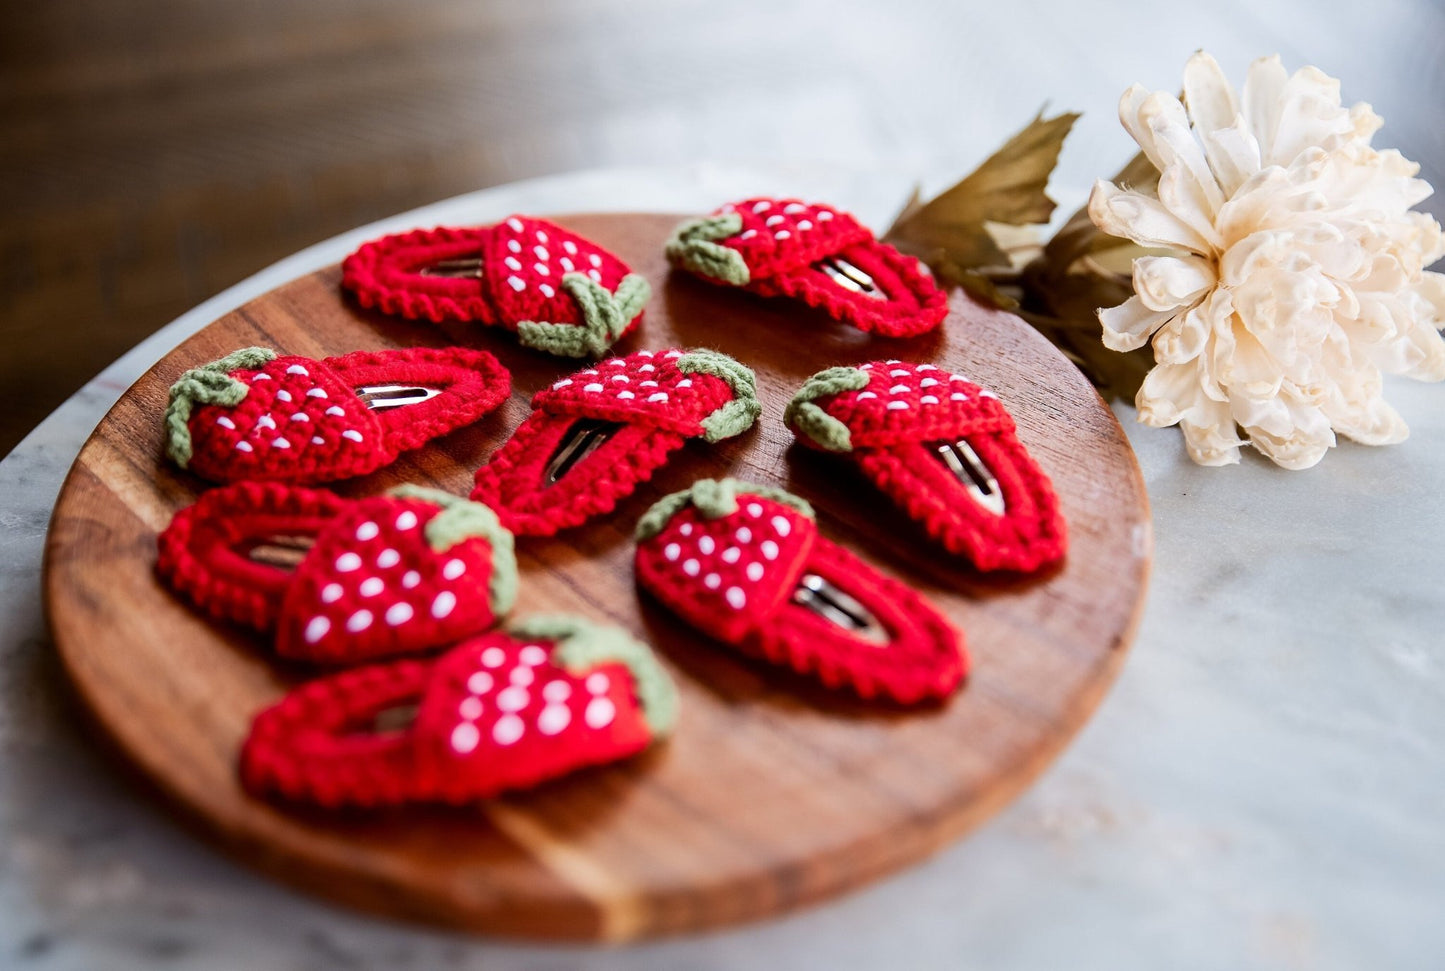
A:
773,792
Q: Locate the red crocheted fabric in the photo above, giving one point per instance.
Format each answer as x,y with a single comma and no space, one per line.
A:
560,292
780,247
728,559
498,712
659,399
256,416
892,417
382,576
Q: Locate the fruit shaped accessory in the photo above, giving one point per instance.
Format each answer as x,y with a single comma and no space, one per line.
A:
818,254
505,710
593,436
562,294
341,580
944,450
744,564
254,415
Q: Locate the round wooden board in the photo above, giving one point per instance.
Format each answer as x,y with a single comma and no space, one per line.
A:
773,792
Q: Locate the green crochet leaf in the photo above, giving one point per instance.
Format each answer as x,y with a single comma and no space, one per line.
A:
693,246
738,415
808,418
714,498
461,519
605,316
209,384
582,645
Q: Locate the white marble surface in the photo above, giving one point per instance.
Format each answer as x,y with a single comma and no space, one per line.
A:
1262,789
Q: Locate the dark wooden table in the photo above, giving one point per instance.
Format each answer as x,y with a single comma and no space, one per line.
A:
156,151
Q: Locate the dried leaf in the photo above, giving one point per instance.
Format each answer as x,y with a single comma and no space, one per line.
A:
1009,187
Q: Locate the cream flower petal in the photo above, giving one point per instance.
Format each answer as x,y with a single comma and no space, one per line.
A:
1178,149
1309,115
1208,94
1209,435
1182,339
1233,155
1163,282
1129,325
1134,215
1259,101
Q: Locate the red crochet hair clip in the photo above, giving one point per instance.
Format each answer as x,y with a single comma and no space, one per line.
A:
814,253
339,580
594,436
945,451
562,294
254,415
744,564
506,710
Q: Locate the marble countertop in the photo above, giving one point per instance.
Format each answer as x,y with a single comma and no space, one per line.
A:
1261,789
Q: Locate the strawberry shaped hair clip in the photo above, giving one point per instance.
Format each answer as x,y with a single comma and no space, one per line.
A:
562,294
503,711
594,436
817,254
944,450
254,415
745,565
342,580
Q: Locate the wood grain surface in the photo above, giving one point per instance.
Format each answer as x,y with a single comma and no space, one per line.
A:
773,792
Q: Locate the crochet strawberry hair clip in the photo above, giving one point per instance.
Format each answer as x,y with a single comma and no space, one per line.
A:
562,294
342,580
259,416
944,450
817,254
744,564
594,436
506,710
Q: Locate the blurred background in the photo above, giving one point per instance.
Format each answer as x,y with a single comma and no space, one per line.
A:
154,152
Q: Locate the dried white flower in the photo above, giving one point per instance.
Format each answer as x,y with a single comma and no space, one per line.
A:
1291,273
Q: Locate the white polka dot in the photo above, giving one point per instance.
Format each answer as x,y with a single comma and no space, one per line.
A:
522,675
647,368
553,719
763,206
411,579
672,551
398,614
754,571
899,373
317,440
772,221
225,422
317,629
541,269
516,283
388,558
532,654
748,234
862,395
597,682
928,382
372,586
244,447
731,555
352,434
541,252
755,509
899,389
615,362
804,225
406,520
706,545
925,367
596,277
331,593
770,549
454,569
494,657
625,395
359,621
691,567
465,738
928,399
471,708
280,443
824,215
507,730
600,712
301,416
712,581
514,698
893,360
541,236
367,531
335,411
555,691
865,367
685,529
647,384
479,683
318,393
685,383
958,396
985,393
513,245
513,263
547,290
593,388
659,396
347,562
793,208
782,234
262,377
736,598
782,526
266,421
897,406
297,369
444,604
744,535
515,223
564,383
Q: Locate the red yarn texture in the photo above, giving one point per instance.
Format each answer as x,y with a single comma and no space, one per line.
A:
493,714
659,407
897,421
302,422
733,578
371,585
781,240
523,262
